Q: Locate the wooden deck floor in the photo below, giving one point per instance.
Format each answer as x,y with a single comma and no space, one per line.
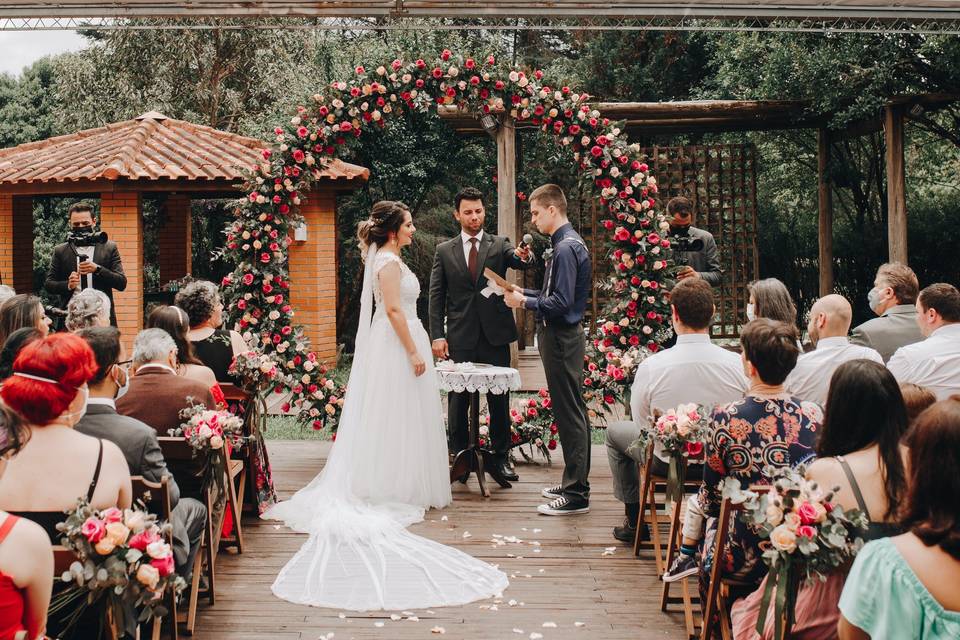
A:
567,581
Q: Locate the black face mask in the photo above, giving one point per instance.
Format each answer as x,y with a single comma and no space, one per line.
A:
680,230
83,231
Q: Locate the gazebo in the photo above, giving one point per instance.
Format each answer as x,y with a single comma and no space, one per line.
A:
155,155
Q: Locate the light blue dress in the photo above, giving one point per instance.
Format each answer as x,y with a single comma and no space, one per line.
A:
884,597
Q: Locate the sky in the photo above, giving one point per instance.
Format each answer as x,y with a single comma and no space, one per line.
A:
19,49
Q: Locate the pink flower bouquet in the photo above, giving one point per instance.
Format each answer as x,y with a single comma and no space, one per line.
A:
680,433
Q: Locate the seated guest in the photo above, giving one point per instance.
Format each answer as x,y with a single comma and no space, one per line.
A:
829,322
89,308
174,321
58,465
693,370
892,298
767,428
906,586
215,347
157,394
6,293
769,298
860,451
935,362
137,440
15,342
916,399
26,558
22,310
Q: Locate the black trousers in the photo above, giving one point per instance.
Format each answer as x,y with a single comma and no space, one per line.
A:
561,350
458,404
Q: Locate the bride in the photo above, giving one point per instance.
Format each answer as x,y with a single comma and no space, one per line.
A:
389,462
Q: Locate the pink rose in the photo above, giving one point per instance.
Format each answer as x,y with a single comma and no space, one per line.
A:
163,565
806,531
248,279
142,540
694,449
807,512
112,515
93,529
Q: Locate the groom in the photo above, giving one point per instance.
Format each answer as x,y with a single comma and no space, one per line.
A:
466,326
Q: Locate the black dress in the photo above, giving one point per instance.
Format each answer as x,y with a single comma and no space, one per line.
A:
216,351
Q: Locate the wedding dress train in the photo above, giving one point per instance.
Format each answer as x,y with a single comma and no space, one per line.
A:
388,464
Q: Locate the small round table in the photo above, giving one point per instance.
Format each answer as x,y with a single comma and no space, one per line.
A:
476,379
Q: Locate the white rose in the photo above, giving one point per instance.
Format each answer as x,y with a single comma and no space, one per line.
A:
158,549
216,442
205,431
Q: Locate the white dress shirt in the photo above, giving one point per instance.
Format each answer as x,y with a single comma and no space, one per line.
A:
107,402
693,370
933,363
810,379
465,241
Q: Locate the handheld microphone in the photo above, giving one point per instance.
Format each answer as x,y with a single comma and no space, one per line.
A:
527,240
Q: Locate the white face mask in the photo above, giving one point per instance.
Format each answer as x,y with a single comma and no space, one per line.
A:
751,314
83,410
122,389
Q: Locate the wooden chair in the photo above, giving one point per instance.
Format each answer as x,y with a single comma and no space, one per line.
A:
62,559
719,589
179,457
688,598
155,497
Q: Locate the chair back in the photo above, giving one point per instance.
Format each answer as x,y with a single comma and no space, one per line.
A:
154,495
62,559
233,393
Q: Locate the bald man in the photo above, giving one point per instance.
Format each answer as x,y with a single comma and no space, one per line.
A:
829,323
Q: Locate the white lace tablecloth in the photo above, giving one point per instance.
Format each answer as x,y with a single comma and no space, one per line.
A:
466,376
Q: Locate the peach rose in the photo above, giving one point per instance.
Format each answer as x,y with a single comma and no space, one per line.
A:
105,546
148,576
117,532
774,515
783,539
791,521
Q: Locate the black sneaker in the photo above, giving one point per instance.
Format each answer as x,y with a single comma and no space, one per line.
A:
683,566
552,493
628,533
563,507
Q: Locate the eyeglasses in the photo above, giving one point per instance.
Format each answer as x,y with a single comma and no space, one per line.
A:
125,364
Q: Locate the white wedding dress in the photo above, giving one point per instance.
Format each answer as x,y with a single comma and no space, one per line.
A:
388,464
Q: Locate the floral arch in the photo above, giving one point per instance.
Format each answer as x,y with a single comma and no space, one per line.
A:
633,323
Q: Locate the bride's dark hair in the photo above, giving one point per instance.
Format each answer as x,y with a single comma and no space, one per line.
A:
386,217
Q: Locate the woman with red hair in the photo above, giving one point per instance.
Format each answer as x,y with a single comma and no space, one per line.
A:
58,465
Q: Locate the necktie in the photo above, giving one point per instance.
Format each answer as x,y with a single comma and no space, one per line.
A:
472,261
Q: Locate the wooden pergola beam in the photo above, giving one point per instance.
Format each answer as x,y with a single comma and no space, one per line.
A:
896,184
825,209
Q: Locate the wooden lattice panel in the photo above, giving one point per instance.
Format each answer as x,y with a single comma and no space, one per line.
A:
721,181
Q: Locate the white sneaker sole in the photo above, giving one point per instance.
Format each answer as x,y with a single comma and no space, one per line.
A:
547,511
681,575
546,493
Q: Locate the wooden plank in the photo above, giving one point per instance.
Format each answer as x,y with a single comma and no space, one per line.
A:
896,184
825,209
615,596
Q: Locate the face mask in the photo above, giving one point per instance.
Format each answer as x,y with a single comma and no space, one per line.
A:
83,410
873,299
122,389
751,314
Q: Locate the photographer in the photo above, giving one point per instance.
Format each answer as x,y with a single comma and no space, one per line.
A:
87,259
694,248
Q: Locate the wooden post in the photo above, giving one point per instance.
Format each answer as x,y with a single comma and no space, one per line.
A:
507,201
825,205
896,184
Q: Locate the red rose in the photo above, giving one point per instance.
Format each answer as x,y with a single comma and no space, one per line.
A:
355,91
694,449
552,445
248,279
421,64
360,69
142,540
531,402
634,341
469,63
437,73
490,59
303,132
264,258
241,304
532,413
298,155
596,151
345,126
163,565
317,425
266,154
498,85
419,83
553,428
653,238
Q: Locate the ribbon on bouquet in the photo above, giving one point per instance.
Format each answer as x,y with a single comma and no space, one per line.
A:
783,583
676,472
492,288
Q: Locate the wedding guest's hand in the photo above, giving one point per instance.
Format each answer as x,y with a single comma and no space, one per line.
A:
87,267
419,366
523,252
687,272
441,351
514,299
73,281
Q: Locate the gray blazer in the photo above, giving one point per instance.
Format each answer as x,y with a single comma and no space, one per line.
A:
897,327
137,440
706,261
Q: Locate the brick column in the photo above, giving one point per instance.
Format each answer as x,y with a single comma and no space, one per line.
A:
121,216
174,239
16,242
313,275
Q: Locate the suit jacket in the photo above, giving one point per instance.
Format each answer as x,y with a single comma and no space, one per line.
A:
136,439
157,396
706,261
896,328
110,276
457,310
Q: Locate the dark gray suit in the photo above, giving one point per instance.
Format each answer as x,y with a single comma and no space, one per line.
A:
897,327
477,329
110,276
706,261
140,447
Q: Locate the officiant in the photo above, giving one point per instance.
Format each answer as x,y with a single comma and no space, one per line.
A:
467,326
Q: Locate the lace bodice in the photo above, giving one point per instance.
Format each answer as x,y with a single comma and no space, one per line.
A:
409,285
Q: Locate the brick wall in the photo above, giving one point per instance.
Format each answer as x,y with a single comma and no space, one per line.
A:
16,242
121,217
313,275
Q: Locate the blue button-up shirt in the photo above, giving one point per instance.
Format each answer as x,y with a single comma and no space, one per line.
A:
567,281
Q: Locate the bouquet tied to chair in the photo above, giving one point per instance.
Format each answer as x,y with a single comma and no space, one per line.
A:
681,433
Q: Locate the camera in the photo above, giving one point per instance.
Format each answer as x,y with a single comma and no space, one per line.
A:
86,237
681,242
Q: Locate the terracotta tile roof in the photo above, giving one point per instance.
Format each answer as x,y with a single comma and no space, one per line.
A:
150,147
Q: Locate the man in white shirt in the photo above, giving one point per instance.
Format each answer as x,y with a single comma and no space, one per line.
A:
829,322
693,370
935,362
